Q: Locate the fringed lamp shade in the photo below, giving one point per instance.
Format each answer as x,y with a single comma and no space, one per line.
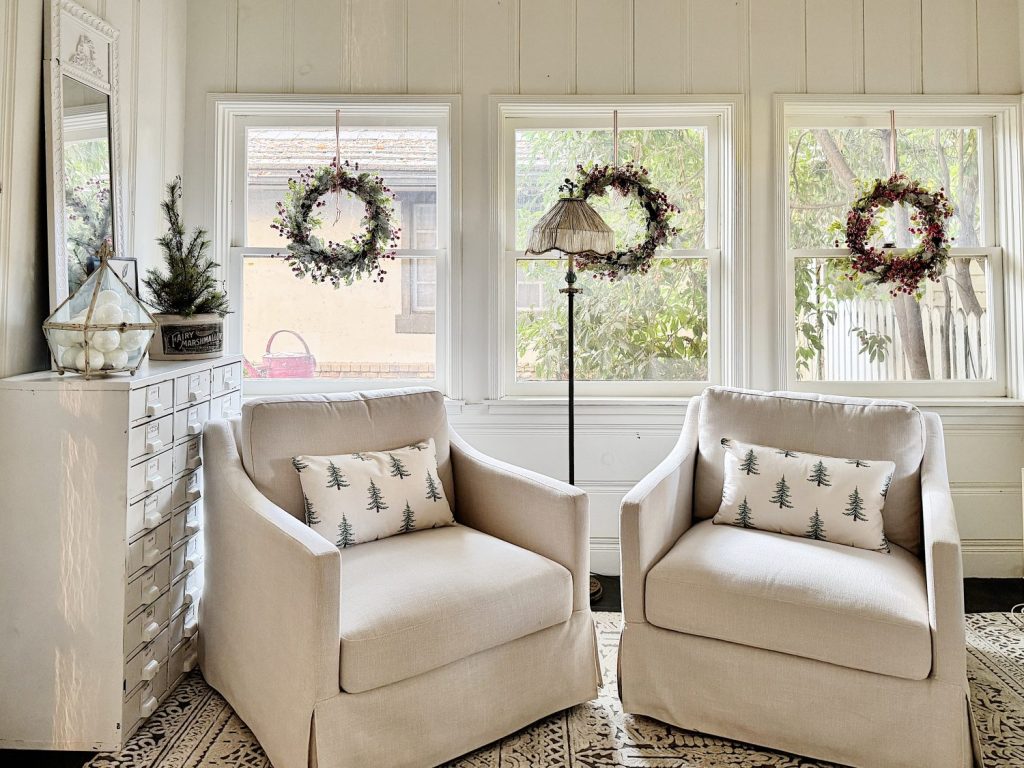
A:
572,227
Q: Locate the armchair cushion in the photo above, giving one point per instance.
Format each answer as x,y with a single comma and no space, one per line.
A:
831,426
816,600
412,603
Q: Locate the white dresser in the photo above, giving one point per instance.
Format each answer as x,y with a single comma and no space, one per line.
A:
101,552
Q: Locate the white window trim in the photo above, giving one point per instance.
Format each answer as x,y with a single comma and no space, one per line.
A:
1000,168
722,116
229,115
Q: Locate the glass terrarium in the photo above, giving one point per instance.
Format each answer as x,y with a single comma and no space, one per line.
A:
102,328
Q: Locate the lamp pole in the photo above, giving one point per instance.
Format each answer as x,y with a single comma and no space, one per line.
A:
571,290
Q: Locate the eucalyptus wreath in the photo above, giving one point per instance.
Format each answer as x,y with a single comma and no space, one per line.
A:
928,259
627,180
362,255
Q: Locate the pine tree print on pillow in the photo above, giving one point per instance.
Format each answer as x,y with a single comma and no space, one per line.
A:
362,495
823,498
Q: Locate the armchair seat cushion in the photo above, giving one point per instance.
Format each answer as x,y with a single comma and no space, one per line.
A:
817,600
412,603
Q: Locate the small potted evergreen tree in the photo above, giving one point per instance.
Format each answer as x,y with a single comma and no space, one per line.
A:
189,307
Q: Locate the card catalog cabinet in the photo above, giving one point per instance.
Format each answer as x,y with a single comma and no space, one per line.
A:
101,546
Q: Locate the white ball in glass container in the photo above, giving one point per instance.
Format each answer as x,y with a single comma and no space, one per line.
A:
117,358
107,314
95,359
106,341
67,357
108,297
132,340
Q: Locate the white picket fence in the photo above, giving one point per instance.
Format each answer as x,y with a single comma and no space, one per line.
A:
966,341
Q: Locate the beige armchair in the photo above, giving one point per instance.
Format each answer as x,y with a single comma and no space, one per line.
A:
814,648
407,651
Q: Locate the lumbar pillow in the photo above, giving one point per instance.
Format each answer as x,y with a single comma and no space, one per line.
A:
802,494
358,497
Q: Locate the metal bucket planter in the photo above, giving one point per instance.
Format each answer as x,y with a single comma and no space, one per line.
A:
199,337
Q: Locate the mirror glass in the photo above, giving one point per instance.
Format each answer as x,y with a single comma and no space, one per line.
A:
88,199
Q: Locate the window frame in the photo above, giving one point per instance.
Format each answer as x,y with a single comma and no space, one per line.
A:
719,116
232,115
998,148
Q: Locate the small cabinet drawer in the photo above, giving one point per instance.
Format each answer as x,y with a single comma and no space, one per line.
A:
187,556
186,592
187,456
188,422
147,663
150,475
183,659
186,522
184,626
147,514
150,549
150,438
152,401
143,701
187,489
192,388
145,589
226,406
227,378
146,626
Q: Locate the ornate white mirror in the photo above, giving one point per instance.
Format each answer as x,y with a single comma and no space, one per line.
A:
82,143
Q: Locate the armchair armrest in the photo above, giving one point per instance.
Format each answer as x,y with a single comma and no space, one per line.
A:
269,623
943,562
655,513
524,508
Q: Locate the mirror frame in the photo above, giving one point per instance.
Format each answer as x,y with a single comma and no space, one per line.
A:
66,24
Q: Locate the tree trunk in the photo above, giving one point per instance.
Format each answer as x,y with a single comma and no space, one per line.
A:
964,210
908,319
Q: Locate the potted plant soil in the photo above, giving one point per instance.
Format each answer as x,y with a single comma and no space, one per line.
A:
189,307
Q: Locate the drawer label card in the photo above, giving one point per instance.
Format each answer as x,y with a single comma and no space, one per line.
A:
152,395
152,431
150,504
193,381
153,468
193,482
193,415
193,450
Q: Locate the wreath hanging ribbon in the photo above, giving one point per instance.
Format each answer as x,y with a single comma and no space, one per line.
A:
627,180
365,253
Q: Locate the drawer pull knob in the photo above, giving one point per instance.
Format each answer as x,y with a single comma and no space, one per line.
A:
194,428
194,495
149,671
148,707
229,382
193,395
190,628
152,520
152,483
192,562
151,556
191,596
195,463
150,631
190,662
192,526
152,446
154,409
150,593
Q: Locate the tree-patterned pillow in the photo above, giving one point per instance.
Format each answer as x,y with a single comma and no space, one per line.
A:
802,494
358,497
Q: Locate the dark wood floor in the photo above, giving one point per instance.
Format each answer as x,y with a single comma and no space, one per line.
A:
980,596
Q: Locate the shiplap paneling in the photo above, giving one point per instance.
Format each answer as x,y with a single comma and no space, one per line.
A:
481,47
264,65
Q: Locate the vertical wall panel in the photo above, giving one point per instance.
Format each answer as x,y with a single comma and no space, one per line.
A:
318,45
892,46
835,46
264,46
998,46
434,51
378,46
125,16
718,45
661,61
604,46
950,46
547,43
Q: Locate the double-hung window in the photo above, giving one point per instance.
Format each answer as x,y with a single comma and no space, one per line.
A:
656,334
300,336
850,336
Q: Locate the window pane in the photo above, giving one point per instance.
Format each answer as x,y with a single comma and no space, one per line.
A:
673,156
406,158
354,332
825,163
650,327
850,333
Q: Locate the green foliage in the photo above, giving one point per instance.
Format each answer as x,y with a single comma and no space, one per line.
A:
189,286
312,518
855,508
398,467
749,463
335,478
408,520
346,537
816,528
89,210
819,475
432,492
874,344
783,496
744,519
376,498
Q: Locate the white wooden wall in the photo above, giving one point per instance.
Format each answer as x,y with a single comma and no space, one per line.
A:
152,75
753,47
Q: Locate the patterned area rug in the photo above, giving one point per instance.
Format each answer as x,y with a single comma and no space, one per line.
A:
195,726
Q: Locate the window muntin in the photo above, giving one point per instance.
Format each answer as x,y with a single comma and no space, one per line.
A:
846,337
664,324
